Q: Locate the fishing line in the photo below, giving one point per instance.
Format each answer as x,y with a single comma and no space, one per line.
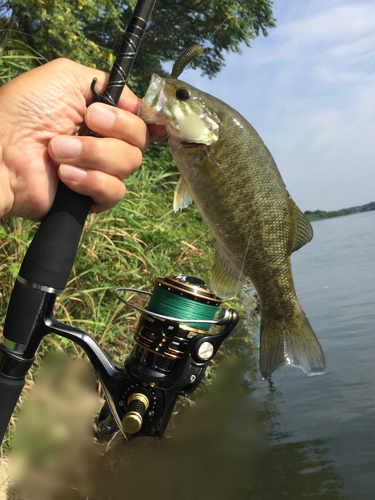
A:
225,20
265,175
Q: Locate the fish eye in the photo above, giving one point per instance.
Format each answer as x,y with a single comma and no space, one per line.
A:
182,94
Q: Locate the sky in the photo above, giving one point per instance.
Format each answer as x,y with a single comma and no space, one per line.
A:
309,91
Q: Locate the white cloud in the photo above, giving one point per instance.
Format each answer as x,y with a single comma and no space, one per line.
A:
331,25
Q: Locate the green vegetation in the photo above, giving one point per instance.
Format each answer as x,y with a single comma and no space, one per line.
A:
129,245
89,31
321,214
138,239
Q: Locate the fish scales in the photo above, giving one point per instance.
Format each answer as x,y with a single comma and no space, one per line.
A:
232,217
231,176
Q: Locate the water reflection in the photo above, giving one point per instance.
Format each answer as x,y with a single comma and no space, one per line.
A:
296,471
289,469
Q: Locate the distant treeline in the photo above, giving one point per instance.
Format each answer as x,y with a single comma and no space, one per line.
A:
321,214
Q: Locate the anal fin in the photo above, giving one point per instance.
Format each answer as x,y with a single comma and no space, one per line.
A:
226,280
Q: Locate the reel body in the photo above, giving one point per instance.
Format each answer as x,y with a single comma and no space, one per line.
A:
170,355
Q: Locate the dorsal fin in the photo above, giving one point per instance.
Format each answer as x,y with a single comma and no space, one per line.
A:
304,231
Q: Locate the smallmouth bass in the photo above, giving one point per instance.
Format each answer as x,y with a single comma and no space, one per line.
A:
227,170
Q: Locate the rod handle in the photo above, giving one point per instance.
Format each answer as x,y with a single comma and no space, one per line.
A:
10,390
50,256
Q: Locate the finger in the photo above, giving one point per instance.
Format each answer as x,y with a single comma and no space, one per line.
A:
109,121
105,190
129,101
108,155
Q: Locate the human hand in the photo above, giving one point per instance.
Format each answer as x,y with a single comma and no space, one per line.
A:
40,111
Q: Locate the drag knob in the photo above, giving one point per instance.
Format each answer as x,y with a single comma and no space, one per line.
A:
133,419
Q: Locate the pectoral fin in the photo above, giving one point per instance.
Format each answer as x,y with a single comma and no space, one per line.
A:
182,195
226,280
304,231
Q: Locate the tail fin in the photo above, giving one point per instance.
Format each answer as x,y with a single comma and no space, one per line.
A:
294,343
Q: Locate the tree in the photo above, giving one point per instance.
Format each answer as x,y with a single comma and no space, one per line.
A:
89,31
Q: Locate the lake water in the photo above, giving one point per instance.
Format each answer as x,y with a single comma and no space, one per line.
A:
324,427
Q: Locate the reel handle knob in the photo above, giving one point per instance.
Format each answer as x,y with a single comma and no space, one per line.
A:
137,407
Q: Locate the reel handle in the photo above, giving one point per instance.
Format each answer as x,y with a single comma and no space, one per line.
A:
137,406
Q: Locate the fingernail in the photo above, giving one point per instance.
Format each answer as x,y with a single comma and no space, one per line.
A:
66,147
101,116
73,174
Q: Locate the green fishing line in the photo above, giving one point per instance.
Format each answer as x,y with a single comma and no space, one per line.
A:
170,304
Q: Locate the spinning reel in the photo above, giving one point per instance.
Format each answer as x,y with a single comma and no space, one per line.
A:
169,358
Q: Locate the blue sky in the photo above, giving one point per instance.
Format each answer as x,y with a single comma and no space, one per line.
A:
309,90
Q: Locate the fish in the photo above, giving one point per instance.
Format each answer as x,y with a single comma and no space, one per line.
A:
230,174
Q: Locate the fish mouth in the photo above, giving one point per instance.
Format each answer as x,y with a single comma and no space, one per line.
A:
189,145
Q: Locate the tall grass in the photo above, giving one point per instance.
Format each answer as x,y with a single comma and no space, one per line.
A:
129,245
17,59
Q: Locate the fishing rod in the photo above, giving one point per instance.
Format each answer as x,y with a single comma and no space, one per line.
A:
172,347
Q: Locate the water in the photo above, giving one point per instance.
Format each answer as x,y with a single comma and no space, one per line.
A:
324,427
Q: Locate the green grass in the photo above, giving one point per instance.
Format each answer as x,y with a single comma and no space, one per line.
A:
129,245
16,59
